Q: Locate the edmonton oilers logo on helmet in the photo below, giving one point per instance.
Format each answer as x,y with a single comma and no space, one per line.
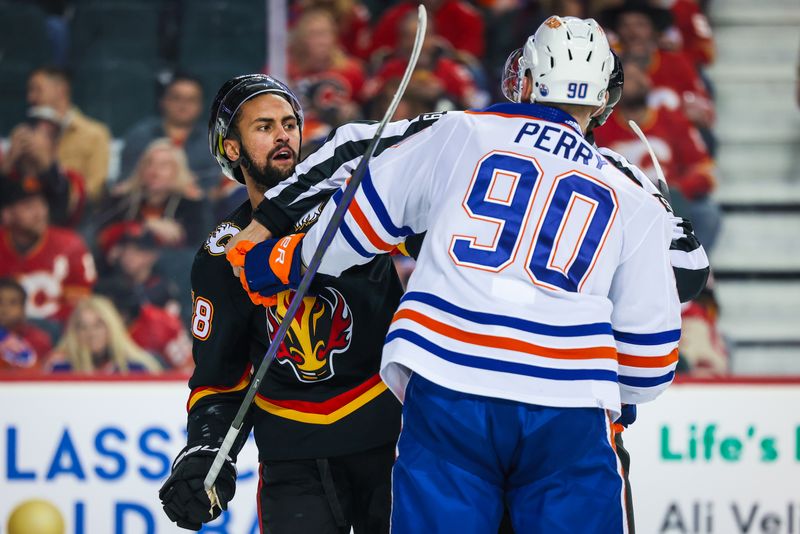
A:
543,90
321,329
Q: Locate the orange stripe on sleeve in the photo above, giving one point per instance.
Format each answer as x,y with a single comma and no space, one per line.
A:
648,361
369,232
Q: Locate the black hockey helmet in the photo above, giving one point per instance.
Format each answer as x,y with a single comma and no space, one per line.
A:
227,103
615,83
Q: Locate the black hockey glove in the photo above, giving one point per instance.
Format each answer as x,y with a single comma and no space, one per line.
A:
183,496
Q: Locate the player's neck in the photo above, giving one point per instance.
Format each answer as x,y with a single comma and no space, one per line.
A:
581,114
255,192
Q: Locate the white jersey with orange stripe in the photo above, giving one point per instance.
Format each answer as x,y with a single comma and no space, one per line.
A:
545,275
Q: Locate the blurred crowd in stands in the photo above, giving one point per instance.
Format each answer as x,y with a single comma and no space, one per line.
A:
96,242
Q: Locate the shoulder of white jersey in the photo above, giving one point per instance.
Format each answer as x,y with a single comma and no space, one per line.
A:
635,198
619,161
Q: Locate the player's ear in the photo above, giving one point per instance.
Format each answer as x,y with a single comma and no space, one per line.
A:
232,148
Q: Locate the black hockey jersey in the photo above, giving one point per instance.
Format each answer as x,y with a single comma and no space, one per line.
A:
322,396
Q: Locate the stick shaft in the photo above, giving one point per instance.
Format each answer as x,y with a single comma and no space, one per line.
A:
663,188
316,260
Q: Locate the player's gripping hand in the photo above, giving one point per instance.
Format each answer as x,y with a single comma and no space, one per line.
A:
269,267
236,257
628,415
183,497
253,232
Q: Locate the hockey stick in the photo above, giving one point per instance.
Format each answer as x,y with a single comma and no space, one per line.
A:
663,188
311,270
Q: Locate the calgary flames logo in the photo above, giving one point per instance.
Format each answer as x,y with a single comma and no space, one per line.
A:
322,327
215,244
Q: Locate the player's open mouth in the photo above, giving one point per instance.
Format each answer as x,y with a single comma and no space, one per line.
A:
283,154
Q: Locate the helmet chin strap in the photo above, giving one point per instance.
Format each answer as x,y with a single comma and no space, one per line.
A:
244,162
602,107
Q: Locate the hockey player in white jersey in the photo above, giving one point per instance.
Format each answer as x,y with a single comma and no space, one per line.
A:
543,298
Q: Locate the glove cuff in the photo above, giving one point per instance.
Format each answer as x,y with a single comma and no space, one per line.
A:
283,260
201,451
236,255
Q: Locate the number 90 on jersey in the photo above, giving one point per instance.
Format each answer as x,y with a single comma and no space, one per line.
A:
570,231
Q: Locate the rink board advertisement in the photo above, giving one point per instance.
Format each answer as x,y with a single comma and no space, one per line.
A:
99,452
718,458
706,458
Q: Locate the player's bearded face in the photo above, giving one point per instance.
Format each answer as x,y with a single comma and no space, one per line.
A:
271,169
270,139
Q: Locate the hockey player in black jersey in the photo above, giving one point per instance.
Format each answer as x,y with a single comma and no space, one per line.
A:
324,422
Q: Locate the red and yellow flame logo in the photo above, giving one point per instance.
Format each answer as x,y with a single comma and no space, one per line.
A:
321,328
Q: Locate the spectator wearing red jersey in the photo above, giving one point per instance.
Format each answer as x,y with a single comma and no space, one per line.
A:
677,145
327,80
85,143
95,341
161,196
456,21
181,108
162,334
456,81
153,328
353,23
676,83
33,153
690,33
22,345
52,264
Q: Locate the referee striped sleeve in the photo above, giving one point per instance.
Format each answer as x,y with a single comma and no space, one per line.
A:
325,171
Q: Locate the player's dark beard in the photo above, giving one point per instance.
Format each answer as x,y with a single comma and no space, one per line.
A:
264,174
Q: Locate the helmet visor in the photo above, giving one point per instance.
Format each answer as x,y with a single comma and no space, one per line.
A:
512,76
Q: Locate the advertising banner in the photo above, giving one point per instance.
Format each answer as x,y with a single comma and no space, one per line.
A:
99,452
719,458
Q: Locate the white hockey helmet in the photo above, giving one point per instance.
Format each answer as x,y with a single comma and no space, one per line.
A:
569,60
